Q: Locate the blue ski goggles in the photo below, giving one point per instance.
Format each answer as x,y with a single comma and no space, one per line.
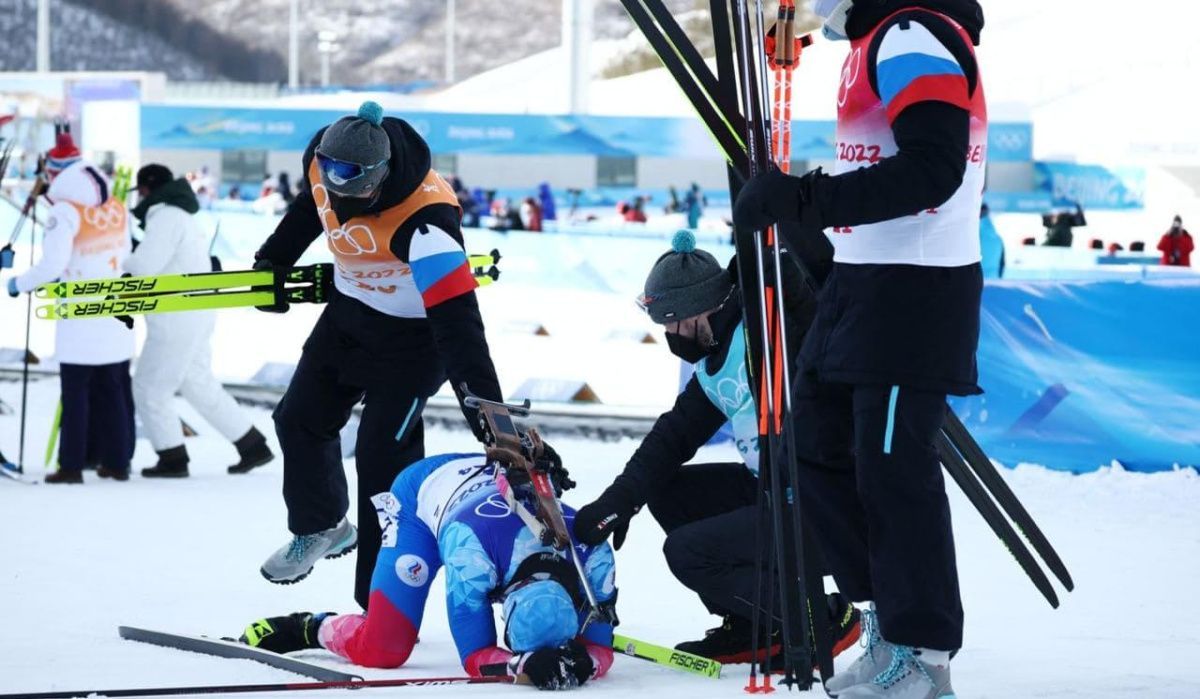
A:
340,172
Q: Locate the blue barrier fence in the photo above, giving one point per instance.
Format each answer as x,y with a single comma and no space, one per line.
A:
1078,375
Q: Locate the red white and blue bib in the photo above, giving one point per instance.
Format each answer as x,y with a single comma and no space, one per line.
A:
911,66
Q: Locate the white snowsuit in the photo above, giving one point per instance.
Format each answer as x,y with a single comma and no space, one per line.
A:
85,238
177,356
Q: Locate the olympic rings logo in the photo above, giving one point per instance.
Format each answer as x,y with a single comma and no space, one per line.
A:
106,218
350,241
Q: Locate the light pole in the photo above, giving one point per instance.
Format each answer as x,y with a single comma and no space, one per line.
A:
450,20
43,36
294,45
326,45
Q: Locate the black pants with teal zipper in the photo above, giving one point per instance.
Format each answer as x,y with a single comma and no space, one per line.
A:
871,486
389,364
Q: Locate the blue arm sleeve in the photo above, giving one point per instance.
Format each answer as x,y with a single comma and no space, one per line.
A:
600,567
470,577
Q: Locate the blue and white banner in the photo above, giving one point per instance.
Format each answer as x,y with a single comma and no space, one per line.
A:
170,127
1093,186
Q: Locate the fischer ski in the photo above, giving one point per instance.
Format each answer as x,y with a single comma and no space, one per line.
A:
232,649
667,657
177,283
170,303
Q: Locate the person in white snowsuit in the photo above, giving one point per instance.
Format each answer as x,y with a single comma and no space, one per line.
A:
177,356
86,237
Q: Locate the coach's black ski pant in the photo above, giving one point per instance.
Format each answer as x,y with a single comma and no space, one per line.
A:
708,511
871,485
352,355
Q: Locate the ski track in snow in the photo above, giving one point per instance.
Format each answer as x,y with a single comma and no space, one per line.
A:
184,556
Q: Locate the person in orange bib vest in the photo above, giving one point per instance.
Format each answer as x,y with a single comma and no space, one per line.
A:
402,319
86,237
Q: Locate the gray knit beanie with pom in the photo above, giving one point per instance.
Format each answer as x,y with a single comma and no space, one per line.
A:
358,139
684,282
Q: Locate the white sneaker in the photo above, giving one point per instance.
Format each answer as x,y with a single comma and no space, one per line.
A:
295,561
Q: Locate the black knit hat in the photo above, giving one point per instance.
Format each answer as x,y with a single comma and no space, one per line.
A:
684,282
153,176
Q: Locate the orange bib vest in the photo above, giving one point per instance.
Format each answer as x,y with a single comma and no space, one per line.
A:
366,267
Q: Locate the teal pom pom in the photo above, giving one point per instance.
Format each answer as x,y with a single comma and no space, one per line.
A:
684,241
372,112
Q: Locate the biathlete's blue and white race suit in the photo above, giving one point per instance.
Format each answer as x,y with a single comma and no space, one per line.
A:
446,511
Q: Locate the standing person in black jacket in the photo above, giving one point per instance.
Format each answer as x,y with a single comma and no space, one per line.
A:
401,320
897,324
707,510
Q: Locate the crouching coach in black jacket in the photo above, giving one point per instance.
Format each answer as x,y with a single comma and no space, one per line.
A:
707,510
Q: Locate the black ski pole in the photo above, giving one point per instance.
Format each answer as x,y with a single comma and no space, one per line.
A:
28,327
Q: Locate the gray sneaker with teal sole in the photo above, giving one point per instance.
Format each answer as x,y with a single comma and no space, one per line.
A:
295,561
909,675
876,655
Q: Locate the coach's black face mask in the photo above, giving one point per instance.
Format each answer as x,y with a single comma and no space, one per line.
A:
688,349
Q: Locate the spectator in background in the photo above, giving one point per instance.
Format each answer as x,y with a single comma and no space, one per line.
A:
284,187
1176,245
673,206
467,202
235,193
635,212
268,186
546,200
531,215
991,245
1060,230
694,204
176,357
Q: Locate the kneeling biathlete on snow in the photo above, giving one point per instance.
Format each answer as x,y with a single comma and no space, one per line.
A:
451,511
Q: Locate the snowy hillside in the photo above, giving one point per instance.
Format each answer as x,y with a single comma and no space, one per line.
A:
84,39
397,41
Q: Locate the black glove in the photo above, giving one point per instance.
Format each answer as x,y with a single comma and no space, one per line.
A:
559,476
284,634
771,197
566,667
263,263
609,514
7,255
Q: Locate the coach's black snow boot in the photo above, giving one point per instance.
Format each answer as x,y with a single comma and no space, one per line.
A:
728,643
172,463
252,450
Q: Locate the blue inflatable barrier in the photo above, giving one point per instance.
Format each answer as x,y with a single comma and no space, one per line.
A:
1078,375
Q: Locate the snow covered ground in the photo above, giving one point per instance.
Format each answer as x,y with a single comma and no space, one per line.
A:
77,561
